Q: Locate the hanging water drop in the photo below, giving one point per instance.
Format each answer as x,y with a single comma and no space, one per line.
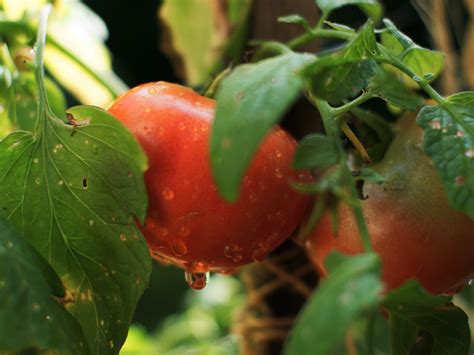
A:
196,280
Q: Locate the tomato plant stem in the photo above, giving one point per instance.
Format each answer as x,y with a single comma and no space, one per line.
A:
337,111
332,130
315,33
356,142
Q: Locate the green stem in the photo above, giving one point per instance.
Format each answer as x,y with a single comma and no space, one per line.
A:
315,33
9,28
366,95
370,334
39,63
332,130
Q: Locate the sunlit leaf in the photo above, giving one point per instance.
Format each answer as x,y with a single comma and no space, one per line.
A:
74,190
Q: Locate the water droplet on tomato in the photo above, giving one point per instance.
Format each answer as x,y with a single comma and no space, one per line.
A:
196,280
161,131
182,126
253,197
259,253
231,250
151,91
238,258
168,194
179,248
147,109
277,153
230,271
278,173
184,231
204,128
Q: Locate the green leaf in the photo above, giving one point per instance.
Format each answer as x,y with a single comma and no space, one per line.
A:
295,19
238,13
425,63
30,317
249,102
7,101
370,175
314,151
199,44
344,74
449,140
446,323
372,8
352,289
387,86
403,334
74,191
339,27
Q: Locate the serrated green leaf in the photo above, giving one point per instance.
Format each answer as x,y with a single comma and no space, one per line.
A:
30,317
314,151
249,102
425,63
449,140
344,74
74,192
388,87
446,323
372,8
352,289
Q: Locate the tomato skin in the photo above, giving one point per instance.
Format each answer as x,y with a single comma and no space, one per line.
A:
411,225
188,224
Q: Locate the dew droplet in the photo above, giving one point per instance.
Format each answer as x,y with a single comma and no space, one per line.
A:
91,222
231,250
459,134
60,182
196,280
184,231
182,126
204,128
277,153
179,248
470,153
168,194
123,237
278,173
253,197
48,317
151,91
238,258
259,253
35,160
161,131
37,180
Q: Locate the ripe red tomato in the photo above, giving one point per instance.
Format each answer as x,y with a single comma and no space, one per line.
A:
188,224
411,225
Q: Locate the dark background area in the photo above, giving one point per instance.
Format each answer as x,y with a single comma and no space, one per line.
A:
134,40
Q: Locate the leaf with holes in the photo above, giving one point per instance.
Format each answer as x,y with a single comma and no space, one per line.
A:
74,190
449,140
30,317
